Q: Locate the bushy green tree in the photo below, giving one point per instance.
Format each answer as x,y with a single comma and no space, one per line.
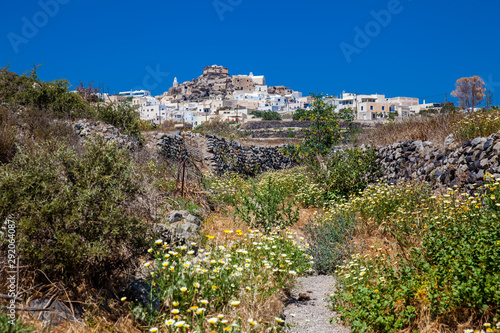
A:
449,108
266,115
324,130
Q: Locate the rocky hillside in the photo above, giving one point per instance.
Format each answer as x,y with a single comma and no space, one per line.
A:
207,85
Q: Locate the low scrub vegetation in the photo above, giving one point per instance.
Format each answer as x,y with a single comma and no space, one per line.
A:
218,293
440,275
27,92
330,238
346,172
217,126
463,125
266,115
71,209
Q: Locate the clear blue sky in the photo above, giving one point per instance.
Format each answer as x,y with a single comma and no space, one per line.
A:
418,50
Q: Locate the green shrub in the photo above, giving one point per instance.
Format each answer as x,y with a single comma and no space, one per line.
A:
122,116
291,135
266,115
347,172
300,115
71,210
6,325
7,136
330,242
54,96
268,205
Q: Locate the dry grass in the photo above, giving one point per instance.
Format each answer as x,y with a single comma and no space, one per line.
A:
167,126
218,222
101,311
434,129
265,309
124,324
270,141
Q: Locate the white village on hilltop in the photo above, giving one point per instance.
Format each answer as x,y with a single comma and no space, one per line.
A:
232,98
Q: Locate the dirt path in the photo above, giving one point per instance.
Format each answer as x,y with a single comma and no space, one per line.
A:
312,315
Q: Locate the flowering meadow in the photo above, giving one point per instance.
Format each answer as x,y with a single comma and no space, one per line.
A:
442,272
477,124
215,286
294,183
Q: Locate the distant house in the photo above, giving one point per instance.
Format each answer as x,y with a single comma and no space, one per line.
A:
154,113
135,93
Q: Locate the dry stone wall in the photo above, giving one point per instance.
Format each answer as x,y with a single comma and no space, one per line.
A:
222,156
463,164
172,146
230,156
86,128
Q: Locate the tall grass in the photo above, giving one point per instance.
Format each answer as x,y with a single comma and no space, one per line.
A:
434,129
464,126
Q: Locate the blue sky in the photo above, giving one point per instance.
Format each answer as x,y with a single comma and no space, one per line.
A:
415,48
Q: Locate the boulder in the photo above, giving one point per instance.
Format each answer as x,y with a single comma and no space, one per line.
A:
57,312
140,291
183,215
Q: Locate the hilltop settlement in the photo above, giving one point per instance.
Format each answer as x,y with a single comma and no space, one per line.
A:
233,98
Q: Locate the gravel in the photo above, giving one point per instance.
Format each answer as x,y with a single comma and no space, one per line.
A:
312,315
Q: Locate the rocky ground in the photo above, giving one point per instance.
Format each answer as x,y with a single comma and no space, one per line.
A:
308,311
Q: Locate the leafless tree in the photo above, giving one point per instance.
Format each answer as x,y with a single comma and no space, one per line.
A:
469,91
88,93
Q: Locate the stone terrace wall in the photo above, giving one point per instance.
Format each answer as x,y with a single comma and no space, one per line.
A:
254,125
446,165
227,156
172,146
86,128
222,156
